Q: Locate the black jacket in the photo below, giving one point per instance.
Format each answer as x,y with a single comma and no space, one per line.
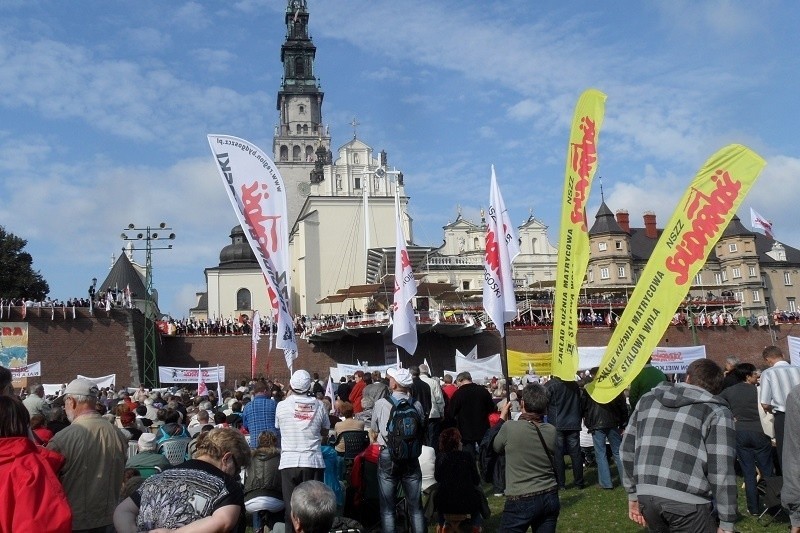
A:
564,404
604,416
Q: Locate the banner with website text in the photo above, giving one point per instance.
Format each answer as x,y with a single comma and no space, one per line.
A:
170,374
573,241
691,233
256,192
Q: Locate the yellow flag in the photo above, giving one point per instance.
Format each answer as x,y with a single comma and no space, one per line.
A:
573,240
521,362
695,227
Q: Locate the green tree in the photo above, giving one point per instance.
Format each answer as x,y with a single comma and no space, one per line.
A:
17,277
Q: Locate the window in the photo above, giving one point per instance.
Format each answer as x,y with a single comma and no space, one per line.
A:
739,295
752,270
299,129
698,279
297,153
242,300
618,245
355,159
591,275
787,278
604,273
724,275
602,246
356,183
791,305
465,285
737,273
284,153
299,67
534,242
732,247
301,109
764,280
621,272
756,296
718,278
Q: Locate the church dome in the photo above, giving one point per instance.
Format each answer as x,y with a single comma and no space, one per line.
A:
238,251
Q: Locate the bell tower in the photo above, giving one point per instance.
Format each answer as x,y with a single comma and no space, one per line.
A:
300,134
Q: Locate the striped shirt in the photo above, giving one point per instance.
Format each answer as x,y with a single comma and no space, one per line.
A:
301,420
776,382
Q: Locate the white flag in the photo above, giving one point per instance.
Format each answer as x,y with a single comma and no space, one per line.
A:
404,321
258,196
759,222
502,246
202,389
256,336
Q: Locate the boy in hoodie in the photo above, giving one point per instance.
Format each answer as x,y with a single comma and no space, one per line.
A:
678,455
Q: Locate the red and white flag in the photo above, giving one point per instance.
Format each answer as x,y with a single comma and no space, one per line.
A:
502,246
219,389
759,222
256,336
404,320
202,389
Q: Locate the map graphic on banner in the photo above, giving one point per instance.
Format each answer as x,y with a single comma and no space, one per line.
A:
14,344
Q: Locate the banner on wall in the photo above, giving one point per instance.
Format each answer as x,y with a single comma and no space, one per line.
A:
480,369
14,345
521,363
170,374
102,382
27,371
794,350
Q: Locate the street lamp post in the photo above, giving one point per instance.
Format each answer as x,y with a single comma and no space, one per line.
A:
147,235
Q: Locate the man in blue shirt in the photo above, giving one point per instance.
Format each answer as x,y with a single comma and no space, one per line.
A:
259,414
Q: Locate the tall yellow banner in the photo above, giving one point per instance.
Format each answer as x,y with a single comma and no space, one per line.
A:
695,227
573,241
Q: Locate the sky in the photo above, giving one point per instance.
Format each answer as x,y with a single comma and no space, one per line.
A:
105,108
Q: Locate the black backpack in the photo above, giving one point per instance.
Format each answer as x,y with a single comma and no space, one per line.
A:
487,457
404,430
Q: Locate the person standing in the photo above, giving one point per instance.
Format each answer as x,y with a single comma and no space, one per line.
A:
753,447
95,453
790,492
35,402
434,425
670,485
259,414
393,472
605,422
303,422
357,392
776,382
564,412
531,484
471,406
648,378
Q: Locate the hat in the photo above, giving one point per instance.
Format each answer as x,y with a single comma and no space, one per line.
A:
301,381
401,375
147,441
81,387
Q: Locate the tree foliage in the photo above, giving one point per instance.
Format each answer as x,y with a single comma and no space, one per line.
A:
17,277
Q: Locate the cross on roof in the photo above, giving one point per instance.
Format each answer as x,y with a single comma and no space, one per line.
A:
354,123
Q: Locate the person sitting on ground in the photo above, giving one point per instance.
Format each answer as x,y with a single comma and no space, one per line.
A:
147,456
32,496
262,483
458,479
348,424
204,491
313,507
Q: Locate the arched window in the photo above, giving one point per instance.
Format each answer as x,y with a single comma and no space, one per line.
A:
242,300
301,109
476,243
355,159
299,129
309,153
305,129
299,67
297,153
284,153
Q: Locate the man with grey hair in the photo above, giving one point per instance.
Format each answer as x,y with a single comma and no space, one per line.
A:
731,377
35,402
95,453
313,507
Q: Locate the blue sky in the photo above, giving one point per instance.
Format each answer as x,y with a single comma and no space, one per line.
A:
105,107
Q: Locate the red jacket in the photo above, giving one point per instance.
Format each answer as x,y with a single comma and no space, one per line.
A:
32,496
356,393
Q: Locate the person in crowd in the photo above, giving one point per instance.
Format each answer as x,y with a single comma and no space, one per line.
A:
605,422
32,496
41,433
458,481
317,386
365,415
95,452
132,479
421,392
731,376
790,492
470,408
449,388
391,473
147,455
262,483
644,381
564,412
6,387
343,392
234,418
35,402
374,391
313,507
357,391
528,443
200,419
670,485
204,492
259,414
141,417
348,424
128,425
57,418
776,382
753,446
434,423
303,424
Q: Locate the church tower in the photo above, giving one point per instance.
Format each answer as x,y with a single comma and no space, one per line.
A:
300,137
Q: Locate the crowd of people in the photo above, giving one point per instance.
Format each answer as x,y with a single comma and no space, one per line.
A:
418,449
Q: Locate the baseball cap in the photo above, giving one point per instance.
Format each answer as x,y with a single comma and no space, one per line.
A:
401,375
81,387
301,381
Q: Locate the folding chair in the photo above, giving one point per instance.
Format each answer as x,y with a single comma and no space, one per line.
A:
175,450
355,442
147,471
771,491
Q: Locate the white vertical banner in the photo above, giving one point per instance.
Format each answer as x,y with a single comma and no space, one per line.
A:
404,321
256,336
502,246
794,350
257,194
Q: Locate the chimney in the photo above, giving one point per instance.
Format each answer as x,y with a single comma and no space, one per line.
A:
650,230
623,220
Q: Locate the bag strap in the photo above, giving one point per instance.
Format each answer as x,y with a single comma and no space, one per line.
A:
546,449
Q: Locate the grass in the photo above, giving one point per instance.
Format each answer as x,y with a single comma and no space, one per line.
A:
593,509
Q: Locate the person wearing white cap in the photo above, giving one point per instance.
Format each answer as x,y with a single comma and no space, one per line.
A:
148,457
391,473
95,451
303,423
